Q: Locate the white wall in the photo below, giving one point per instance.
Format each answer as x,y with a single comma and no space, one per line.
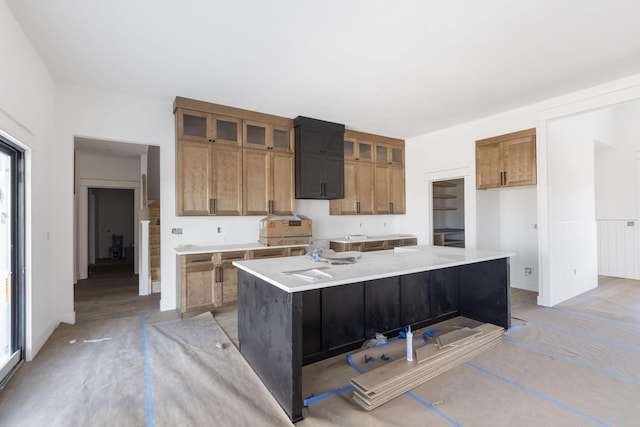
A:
27,114
571,186
617,168
504,218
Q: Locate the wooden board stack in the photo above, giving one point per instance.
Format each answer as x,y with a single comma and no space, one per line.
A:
380,385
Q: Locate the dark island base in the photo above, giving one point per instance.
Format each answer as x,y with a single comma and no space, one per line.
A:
279,332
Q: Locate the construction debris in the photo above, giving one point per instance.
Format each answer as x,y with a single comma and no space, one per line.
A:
382,384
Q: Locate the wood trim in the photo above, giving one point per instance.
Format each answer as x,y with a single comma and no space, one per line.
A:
223,110
348,133
507,137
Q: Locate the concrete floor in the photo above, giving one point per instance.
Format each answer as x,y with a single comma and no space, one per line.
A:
125,363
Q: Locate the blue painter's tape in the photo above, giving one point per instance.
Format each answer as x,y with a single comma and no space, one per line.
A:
433,408
353,365
315,399
516,327
537,394
524,304
572,360
147,373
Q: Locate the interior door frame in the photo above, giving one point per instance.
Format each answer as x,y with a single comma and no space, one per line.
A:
469,201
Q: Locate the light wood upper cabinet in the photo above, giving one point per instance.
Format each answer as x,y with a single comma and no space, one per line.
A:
507,160
226,180
209,179
206,127
358,180
268,186
231,161
389,187
194,173
374,176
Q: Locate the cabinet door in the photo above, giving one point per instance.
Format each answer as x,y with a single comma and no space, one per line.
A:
226,130
444,291
227,286
256,135
382,189
342,315
257,182
282,185
197,282
382,306
348,205
333,187
193,126
226,180
396,190
488,165
415,291
520,161
365,177
281,139
193,173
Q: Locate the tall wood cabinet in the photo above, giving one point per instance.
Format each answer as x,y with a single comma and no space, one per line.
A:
358,179
268,186
389,184
209,164
232,161
374,176
507,160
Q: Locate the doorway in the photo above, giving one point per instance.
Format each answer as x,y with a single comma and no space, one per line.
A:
448,212
12,300
111,229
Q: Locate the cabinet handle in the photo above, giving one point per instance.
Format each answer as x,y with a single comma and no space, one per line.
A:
357,207
391,207
270,206
505,178
322,188
212,206
218,275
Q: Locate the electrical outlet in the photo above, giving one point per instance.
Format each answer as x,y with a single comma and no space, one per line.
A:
176,231
528,271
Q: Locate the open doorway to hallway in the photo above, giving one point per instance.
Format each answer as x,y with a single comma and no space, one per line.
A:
111,230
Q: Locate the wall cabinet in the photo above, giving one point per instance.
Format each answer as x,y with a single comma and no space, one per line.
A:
358,179
389,181
268,186
374,179
231,161
319,159
507,160
210,279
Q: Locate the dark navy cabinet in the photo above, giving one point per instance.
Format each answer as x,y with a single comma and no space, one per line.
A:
319,148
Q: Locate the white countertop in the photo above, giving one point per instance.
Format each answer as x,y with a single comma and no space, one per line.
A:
354,238
370,266
194,249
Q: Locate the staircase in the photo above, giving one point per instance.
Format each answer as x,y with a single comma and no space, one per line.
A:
154,244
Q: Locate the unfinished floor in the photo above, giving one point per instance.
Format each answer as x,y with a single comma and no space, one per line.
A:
576,364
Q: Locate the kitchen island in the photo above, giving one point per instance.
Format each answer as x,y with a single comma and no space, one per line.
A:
294,311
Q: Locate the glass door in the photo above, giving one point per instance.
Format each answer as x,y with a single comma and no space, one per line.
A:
11,259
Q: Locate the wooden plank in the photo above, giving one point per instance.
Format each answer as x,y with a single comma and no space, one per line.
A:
456,337
384,383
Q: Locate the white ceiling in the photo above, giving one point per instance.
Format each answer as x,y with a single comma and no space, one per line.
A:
400,68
